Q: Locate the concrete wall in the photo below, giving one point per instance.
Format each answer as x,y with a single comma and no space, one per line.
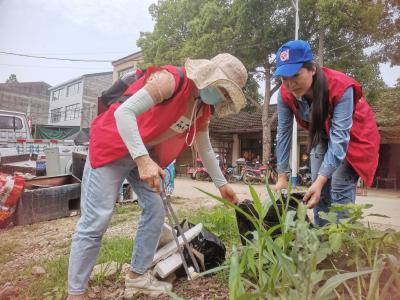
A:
31,98
93,86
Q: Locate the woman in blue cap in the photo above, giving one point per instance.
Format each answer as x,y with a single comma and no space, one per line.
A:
343,138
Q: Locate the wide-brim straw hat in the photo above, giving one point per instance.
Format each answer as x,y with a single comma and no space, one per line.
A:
225,71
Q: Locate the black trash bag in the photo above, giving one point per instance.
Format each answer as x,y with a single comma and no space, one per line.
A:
208,244
271,219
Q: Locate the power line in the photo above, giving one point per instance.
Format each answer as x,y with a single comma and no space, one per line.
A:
55,58
52,67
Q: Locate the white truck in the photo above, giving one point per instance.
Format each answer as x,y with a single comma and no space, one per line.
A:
13,126
16,139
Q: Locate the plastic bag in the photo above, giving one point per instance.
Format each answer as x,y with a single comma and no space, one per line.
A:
11,188
271,219
209,245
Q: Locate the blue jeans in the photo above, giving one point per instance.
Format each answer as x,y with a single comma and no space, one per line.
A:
339,189
100,188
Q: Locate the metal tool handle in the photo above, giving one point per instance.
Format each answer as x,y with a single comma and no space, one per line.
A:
174,223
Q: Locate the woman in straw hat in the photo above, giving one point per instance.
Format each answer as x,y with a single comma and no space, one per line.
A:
164,114
343,135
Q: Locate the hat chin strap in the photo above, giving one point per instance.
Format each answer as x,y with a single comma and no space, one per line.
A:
193,119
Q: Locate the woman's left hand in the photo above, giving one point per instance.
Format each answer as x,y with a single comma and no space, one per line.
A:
228,193
313,194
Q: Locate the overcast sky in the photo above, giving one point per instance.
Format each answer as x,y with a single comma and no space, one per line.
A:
80,29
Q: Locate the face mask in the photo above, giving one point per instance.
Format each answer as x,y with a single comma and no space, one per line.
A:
211,95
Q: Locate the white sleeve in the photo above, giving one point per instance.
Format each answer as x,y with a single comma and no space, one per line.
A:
210,162
125,117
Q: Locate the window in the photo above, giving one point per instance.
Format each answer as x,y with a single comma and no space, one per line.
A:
73,89
56,95
8,122
55,115
72,112
123,72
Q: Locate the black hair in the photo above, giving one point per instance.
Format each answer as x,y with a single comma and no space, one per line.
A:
319,104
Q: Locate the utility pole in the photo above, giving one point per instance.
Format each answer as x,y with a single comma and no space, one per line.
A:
294,133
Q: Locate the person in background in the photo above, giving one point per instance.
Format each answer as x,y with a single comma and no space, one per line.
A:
162,116
342,133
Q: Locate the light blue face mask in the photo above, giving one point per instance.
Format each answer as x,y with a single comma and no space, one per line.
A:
211,95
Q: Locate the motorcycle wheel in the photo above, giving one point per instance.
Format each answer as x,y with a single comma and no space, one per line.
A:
247,178
232,179
198,176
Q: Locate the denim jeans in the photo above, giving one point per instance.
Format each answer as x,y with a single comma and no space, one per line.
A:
100,189
339,189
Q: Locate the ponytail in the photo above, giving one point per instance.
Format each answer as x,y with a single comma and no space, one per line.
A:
319,105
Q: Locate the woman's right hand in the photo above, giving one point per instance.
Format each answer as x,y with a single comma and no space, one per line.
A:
282,182
149,171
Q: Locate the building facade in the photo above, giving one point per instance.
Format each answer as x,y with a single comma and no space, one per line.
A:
31,98
126,64
74,103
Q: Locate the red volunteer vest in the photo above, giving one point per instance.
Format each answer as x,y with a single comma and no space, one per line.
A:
106,144
363,151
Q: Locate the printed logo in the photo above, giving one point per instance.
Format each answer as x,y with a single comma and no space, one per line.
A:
284,56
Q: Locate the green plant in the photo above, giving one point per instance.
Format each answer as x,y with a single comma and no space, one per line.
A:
299,263
357,247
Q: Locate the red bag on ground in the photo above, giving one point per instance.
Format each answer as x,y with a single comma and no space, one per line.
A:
11,187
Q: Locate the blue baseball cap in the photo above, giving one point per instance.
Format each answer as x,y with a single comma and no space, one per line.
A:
291,56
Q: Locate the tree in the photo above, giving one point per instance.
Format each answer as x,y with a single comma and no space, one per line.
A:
253,30
12,79
347,28
201,29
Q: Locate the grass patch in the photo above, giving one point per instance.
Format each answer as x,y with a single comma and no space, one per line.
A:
52,284
126,208
116,221
117,249
7,249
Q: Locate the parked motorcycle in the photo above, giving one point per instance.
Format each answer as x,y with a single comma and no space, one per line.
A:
256,174
200,173
233,175
304,176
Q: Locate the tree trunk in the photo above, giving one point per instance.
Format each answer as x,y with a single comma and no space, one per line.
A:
265,122
321,42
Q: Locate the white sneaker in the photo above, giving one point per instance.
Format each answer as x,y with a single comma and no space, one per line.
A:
145,284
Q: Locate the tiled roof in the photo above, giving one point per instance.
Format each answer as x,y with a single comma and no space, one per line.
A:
241,122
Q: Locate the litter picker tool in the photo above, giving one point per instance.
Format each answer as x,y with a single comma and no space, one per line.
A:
173,220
